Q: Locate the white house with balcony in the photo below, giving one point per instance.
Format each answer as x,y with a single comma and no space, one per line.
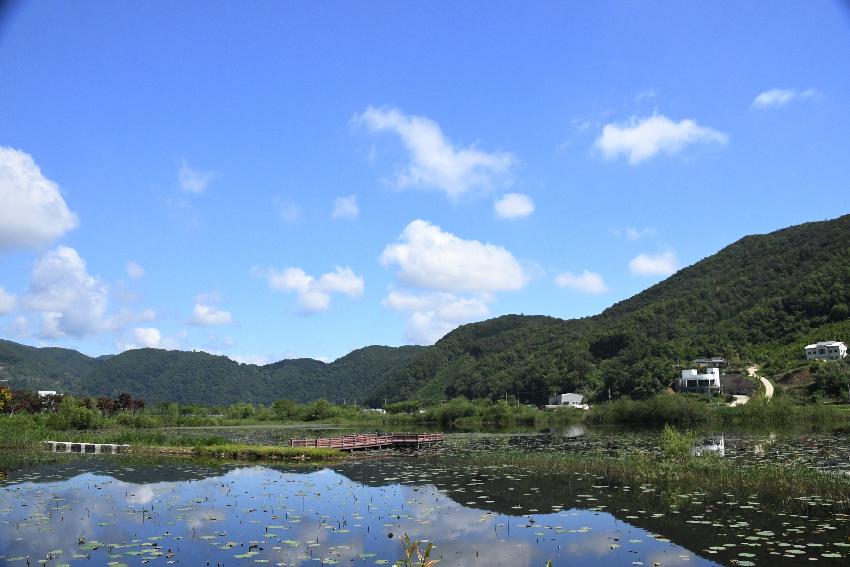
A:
568,400
692,381
826,350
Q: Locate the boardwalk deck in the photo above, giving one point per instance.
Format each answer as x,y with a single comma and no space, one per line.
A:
371,441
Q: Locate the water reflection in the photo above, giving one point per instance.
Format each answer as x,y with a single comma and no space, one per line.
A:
353,515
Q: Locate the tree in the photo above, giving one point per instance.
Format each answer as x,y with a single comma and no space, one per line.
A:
285,409
107,406
832,378
5,397
125,401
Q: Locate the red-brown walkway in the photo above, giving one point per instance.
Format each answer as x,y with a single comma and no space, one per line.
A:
371,441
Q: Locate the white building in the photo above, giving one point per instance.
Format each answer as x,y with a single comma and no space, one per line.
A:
826,350
691,381
45,393
574,400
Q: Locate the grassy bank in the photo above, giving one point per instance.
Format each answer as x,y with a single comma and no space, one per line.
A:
689,410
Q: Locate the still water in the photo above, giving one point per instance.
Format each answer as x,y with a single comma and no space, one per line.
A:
121,511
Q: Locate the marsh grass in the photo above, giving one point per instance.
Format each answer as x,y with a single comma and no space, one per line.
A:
267,453
793,486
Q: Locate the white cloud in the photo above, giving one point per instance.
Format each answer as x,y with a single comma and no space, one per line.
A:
7,302
194,180
586,282
345,208
662,264
313,294
209,315
33,212
432,315
147,337
134,270
435,163
70,300
514,206
781,97
257,359
643,139
428,257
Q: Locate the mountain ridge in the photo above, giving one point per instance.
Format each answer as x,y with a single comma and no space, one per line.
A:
756,299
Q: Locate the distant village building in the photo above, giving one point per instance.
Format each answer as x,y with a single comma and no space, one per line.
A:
826,350
692,381
573,400
714,361
45,393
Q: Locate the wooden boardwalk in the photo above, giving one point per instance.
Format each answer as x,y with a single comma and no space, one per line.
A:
371,441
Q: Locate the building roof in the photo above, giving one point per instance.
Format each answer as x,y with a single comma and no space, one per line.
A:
826,344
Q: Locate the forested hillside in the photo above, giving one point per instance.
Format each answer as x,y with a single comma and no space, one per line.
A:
197,377
760,299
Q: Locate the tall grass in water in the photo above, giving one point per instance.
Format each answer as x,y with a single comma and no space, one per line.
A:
267,453
22,431
795,486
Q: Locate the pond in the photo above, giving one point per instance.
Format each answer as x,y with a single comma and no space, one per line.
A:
121,511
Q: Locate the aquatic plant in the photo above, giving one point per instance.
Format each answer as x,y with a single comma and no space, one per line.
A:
267,453
675,444
415,555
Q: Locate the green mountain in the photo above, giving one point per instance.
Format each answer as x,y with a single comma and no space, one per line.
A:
197,377
760,299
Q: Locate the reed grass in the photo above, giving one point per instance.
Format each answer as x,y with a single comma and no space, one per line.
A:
267,453
791,485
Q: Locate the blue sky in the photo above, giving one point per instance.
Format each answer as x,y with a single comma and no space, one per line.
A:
268,180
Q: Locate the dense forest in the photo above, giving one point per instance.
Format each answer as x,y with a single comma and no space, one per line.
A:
760,299
197,377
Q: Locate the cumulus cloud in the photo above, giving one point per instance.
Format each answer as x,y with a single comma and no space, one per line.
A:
194,180
514,206
345,208
434,162
257,359
432,315
427,257
459,276
781,97
71,301
313,294
209,315
640,140
33,212
148,337
7,302
586,282
134,270
662,264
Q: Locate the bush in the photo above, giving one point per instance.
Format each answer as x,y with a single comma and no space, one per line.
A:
72,415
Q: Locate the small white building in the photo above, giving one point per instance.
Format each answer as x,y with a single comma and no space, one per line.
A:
691,381
574,400
45,393
826,350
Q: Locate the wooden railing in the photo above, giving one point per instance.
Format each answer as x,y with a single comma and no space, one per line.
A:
370,441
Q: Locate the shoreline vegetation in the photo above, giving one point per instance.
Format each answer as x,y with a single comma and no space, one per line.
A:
679,471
